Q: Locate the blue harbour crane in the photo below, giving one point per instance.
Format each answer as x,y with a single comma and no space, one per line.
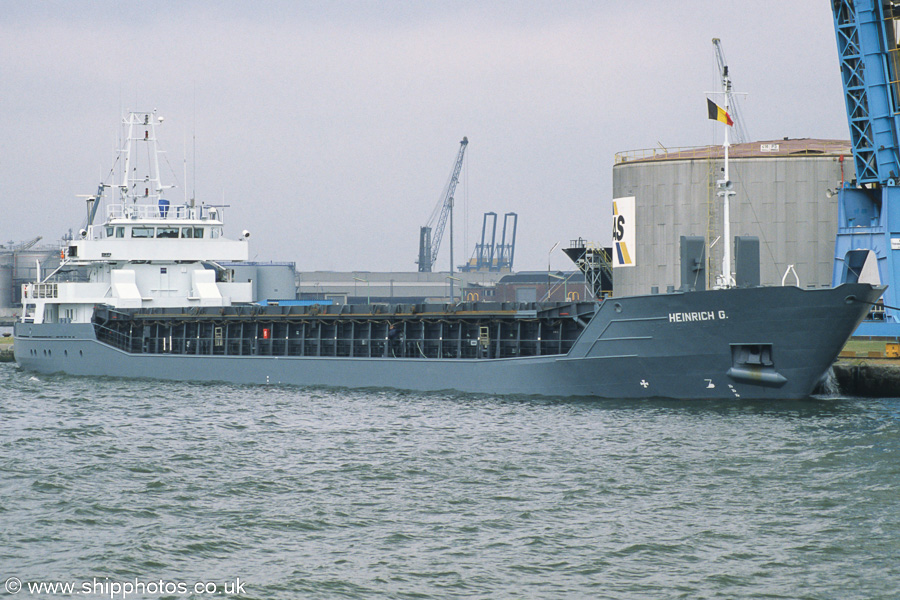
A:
489,255
869,207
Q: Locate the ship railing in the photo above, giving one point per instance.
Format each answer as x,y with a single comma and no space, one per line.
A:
165,211
40,291
647,154
117,338
748,150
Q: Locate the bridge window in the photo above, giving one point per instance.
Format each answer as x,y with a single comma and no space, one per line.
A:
142,232
192,232
167,232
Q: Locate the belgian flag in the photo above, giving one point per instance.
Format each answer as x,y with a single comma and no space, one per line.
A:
717,113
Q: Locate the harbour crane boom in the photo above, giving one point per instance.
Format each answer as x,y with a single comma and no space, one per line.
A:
26,245
430,235
740,130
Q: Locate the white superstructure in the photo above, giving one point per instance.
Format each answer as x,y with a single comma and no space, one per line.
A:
147,253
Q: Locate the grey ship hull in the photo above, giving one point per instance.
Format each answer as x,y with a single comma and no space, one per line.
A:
691,345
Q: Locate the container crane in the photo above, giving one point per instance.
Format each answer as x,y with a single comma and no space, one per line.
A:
740,130
430,235
489,255
869,207
507,249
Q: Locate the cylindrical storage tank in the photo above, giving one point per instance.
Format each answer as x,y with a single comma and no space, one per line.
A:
26,262
784,195
276,282
245,273
6,284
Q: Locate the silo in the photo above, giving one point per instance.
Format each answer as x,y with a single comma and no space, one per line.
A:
276,281
6,281
244,273
26,262
271,281
783,196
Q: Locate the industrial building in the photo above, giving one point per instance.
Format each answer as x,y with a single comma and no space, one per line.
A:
532,286
785,194
389,286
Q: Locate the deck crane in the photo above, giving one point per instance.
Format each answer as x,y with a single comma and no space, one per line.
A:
740,130
93,203
869,207
430,235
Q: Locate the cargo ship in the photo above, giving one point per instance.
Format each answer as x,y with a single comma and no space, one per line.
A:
157,299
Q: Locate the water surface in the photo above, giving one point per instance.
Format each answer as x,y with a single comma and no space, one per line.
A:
319,493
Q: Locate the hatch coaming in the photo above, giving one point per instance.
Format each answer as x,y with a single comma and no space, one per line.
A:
400,332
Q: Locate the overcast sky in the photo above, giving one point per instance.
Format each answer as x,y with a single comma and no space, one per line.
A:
331,127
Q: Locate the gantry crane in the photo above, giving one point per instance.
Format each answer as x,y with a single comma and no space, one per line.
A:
869,207
489,255
430,235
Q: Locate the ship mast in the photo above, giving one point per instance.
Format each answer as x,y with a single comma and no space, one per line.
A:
136,184
725,187
726,191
